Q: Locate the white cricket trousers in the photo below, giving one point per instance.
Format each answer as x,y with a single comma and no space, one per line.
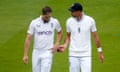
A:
41,60
80,64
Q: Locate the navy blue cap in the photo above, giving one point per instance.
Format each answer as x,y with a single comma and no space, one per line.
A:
76,7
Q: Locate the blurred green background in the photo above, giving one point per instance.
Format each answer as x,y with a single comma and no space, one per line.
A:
15,16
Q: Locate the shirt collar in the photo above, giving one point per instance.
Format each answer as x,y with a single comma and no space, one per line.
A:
81,17
40,19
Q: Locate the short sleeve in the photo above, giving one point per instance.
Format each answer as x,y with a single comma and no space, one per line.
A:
31,28
93,27
67,27
57,27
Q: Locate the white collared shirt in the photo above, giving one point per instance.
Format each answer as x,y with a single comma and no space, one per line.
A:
43,32
80,39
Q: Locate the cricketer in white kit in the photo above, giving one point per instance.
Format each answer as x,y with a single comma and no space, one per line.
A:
79,28
42,28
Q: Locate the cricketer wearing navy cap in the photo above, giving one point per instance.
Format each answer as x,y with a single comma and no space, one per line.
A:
76,7
79,29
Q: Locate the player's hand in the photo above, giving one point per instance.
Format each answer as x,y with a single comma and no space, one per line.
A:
61,48
54,49
101,56
25,59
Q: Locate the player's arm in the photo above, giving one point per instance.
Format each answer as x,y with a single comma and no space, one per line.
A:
99,48
67,40
58,39
26,48
59,35
66,43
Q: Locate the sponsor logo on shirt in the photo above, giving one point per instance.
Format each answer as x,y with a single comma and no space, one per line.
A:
45,33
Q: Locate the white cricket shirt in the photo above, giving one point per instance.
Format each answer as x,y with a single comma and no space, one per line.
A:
43,32
80,39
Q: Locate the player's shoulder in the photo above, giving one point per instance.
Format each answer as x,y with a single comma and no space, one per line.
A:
54,19
89,18
70,19
36,19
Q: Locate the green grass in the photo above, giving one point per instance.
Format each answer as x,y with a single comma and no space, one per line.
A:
15,16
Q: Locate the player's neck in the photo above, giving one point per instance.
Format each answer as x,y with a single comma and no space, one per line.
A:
79,17
44,20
